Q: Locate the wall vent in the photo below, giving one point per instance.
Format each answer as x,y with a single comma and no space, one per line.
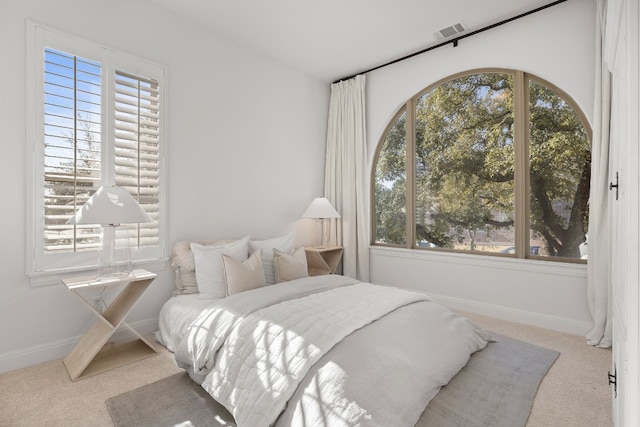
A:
451,30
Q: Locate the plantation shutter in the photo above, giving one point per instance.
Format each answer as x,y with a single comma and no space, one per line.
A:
72,148
96,119
137,158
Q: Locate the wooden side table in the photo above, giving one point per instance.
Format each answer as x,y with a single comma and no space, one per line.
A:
323,259
92,354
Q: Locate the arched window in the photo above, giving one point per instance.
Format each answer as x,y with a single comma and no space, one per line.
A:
490,162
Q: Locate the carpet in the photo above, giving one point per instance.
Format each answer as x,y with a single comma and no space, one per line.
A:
496,388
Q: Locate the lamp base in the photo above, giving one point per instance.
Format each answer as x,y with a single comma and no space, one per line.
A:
115,259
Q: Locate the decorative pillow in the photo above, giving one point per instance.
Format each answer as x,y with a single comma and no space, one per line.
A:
209,269
290,267
184,264
243,276
283,244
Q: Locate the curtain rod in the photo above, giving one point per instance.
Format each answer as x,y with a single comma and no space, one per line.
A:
454,41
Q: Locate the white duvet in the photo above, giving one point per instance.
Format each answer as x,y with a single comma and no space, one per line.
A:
327,351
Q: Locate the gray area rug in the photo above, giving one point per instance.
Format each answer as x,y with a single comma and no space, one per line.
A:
171,401
495,389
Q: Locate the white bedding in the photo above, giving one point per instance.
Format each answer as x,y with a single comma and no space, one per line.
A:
176,316
385,369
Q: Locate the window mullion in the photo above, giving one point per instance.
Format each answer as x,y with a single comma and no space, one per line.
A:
108,126
521,174
410,162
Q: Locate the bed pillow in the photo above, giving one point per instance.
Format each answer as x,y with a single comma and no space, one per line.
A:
290,267
209,269
243,276
184,264
283,244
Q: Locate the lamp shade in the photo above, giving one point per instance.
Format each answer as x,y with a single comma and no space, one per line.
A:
110,205
320,208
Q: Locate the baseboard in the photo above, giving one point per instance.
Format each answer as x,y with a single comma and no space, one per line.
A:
554,323
54,350
59,349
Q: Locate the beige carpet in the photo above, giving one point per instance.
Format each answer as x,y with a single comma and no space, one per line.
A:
573,393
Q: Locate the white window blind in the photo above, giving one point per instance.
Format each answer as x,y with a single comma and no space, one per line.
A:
136,148
97,119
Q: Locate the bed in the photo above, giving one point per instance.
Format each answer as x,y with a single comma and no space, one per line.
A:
313,351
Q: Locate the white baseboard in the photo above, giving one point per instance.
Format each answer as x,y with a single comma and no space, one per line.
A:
554,323
59,349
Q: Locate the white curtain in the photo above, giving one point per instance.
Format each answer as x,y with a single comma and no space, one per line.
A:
599,243
345,175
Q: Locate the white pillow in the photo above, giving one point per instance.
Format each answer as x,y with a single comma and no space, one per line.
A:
290,267
283,244
243,276
184,264
209,269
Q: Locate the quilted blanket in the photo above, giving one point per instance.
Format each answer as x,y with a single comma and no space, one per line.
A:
327,351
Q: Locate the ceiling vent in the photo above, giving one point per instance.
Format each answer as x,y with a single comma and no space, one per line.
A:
451,31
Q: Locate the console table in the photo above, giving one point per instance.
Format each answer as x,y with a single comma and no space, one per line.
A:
93,354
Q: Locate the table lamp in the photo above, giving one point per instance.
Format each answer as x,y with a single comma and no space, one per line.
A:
320,209
111,206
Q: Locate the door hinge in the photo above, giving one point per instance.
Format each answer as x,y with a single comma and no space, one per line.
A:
613,380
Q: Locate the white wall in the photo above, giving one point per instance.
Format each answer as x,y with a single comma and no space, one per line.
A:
556,44
246,142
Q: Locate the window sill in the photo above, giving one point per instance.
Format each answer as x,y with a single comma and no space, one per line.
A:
504,263
43,279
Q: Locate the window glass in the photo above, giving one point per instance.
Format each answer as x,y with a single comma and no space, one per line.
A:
464,164
560,169
390,186
496,156
72,138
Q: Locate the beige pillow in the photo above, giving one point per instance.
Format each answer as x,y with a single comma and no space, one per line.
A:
283,244
243,276
290,267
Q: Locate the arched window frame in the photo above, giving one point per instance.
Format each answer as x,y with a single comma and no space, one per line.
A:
521,167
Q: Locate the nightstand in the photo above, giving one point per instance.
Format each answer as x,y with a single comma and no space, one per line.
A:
92,354
323,259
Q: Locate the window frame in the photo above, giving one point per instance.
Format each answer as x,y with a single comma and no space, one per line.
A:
521,167
39,266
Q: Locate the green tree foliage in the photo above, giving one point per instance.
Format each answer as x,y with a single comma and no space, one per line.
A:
390,186
560,172
464,157
464,162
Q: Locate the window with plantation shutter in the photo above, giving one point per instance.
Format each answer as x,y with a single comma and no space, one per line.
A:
72,138
97,119
136,149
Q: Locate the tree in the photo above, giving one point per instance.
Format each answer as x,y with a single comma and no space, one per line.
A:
390,187
560,173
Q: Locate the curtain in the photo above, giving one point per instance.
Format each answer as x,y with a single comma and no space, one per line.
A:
599,244
345,175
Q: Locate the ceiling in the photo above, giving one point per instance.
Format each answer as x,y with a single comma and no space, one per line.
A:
331,39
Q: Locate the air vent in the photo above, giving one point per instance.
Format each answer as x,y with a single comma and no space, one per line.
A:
451,30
